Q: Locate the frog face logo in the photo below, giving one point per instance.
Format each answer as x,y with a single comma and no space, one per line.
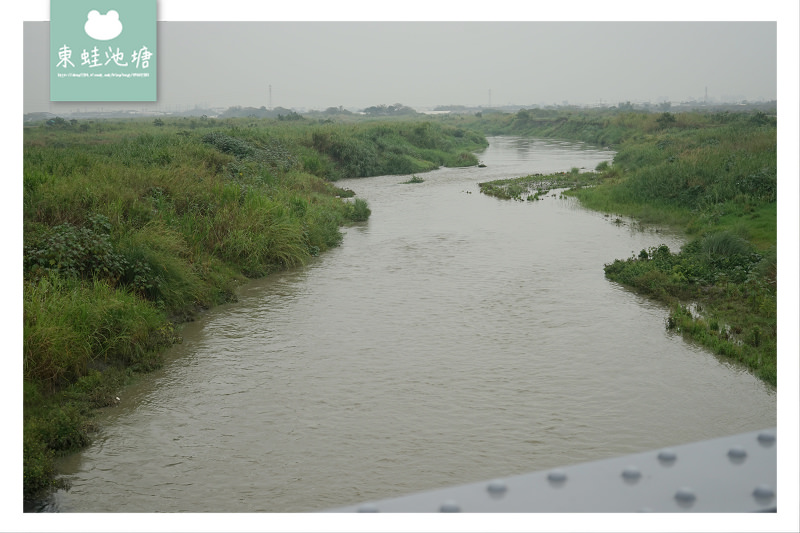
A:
103,27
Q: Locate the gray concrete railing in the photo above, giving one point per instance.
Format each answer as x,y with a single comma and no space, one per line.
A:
729,474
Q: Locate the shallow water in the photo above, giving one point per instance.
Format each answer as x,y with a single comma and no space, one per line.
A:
452,338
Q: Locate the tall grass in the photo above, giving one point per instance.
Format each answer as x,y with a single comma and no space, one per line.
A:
72,326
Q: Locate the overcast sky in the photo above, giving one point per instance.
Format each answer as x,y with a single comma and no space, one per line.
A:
315,65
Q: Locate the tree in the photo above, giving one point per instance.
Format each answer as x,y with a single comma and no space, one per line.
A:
666,119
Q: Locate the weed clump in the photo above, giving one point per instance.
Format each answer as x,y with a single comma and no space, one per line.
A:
359,210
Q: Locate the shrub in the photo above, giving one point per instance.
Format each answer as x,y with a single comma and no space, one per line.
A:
157,267
63,430
724,244
360,211
37,465
81,252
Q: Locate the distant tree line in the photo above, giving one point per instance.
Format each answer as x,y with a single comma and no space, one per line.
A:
390,110
258,112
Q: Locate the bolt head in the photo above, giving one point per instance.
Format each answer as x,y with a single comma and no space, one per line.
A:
497,487
763,492
450,506
631,473
765,438
368,508
667,456
737,452
685,495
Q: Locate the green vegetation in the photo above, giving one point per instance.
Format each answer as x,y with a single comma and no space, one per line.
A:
131,226
602,127
399,147
534,186
713,176
415,179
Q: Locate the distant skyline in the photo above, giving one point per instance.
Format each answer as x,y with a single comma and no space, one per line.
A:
316,65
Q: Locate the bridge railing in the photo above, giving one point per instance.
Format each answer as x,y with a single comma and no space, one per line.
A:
729,474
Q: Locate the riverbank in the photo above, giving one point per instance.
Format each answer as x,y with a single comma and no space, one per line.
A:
132,226
712,176
447,312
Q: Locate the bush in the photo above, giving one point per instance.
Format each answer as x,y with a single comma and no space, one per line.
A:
724,244
81,252
273,152
360,211
63,430
157,267
38,469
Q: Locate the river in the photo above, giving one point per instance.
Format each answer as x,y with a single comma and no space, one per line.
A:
452,338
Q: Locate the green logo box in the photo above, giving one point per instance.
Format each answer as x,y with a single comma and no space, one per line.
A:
103,51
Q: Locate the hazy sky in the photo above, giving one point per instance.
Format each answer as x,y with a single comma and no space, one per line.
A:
315,65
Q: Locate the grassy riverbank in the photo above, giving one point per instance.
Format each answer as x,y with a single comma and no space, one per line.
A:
714,176
132,226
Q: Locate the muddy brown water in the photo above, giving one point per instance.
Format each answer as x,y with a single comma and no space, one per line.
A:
450,339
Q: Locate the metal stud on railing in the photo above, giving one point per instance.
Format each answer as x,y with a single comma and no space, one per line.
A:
766,438
557,478
737,455
631,475
368,508
667,457
763,493
685,497
450,506
497,488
